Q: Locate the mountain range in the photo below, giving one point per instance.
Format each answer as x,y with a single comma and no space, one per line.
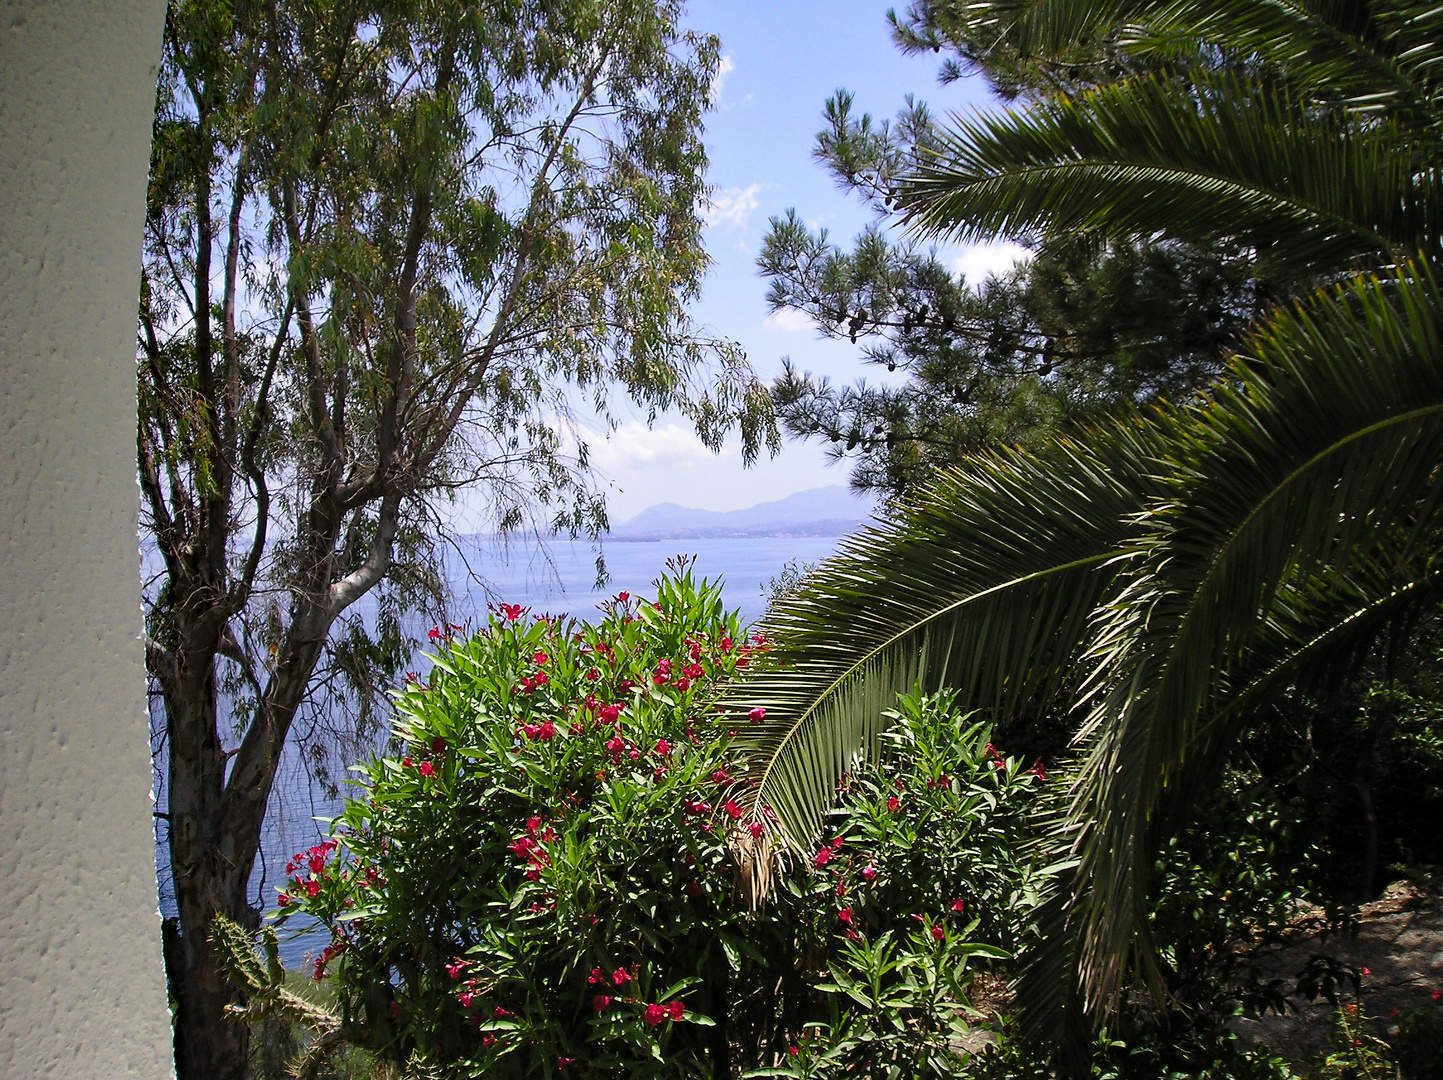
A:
825,511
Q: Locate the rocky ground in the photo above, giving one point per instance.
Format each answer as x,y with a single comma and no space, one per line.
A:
1398,949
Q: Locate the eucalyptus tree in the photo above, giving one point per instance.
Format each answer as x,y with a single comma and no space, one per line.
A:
1164,577
391,246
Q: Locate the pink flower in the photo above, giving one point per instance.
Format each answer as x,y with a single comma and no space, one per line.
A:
662,747
283,899
1038,770
938,933
894,804
531,730
465,998
511,612
756,829
732,810
533,823
596,976
317,863
721,776
654,1014
312,887
540,657
993,752
610,713
427,769
499,1013
683,685
836,843
546,731
601,1002
621,977
726,644
793,1051
822,857
614,744
869,871
956,906
623,597
405,763
453,969
693,671
676,1010
488,1040
562,1062
757,715
845,915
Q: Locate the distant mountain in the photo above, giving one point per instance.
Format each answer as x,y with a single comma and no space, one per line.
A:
827,511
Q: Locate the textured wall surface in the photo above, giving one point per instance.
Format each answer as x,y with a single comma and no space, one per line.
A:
82,993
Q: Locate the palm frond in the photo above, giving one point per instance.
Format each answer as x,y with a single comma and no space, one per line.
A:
1215,156
985,583
1317,467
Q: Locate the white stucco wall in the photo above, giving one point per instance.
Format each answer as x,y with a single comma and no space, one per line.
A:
82,992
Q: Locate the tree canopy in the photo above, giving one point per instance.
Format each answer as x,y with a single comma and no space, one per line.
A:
391,249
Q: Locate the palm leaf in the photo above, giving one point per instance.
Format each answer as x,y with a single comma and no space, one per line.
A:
1304,507
985,584
1211,157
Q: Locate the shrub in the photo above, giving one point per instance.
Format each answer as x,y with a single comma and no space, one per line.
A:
540,877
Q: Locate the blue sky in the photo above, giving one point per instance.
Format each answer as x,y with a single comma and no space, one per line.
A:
781,62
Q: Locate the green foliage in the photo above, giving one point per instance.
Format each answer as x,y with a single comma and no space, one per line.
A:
1076,332
1417,1044
553,866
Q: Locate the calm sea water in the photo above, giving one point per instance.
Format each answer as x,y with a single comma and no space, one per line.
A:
560,579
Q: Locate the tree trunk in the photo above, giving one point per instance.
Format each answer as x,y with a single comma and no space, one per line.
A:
208,879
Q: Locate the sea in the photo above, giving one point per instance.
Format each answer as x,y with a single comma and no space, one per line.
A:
554,578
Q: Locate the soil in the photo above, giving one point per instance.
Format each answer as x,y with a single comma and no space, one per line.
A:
1398,950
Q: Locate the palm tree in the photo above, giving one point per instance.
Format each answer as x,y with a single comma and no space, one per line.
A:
1163,577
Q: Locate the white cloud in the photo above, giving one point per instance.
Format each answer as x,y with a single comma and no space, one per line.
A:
981,261
788,321
719,79
634,445
733,206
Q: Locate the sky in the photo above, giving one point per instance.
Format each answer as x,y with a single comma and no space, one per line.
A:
781,61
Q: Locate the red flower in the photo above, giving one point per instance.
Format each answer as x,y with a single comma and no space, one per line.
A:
465,998
312,887
938,933
283,900
662,747
721,776
693,671
546,731
454,968
726,644
993,752
956,906
488,1040
1037,770
623,597
621,976
894,803
438,745
822,857
562,1062
596,976
405,763
836,843
677,1010
533,823
521,846
614,744
600,1003
610,713
792,1051
755,828
511,612
540,657
434,633
317,863
683,685
654,1014
869,871
732,809
427,769
845,915
499,1013
757,715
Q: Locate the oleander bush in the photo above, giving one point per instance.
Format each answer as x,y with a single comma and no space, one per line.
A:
542,876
